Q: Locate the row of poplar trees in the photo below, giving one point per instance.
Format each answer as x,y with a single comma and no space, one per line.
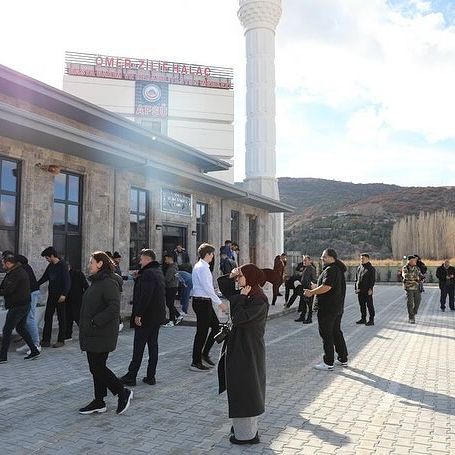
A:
430,235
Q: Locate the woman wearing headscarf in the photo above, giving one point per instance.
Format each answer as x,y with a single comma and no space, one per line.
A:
241,369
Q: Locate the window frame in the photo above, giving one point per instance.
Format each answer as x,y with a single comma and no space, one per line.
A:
16,194
136,239
202,227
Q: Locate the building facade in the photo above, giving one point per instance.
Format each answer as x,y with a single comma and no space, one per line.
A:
193,104
81,178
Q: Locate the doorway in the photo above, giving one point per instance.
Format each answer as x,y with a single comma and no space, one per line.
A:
173,236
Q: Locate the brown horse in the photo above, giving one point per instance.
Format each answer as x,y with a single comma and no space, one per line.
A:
275,277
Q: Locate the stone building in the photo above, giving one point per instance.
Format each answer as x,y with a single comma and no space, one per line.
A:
83,179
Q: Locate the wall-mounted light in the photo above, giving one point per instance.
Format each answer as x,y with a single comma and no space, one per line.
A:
158,227
54,169
193,232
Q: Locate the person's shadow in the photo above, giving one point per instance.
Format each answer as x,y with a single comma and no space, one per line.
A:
430,400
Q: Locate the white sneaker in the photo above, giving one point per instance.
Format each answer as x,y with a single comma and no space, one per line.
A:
120,327
323,366
23,349
28,352
343,364
169,324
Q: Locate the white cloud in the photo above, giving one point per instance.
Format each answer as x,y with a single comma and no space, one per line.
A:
374,55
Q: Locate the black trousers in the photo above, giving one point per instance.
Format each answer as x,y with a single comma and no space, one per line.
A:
206,319
366,301
103,377
144,336
289,284
306,307
448,291
72,315
16,319
332,337
170,303
51,306
298,291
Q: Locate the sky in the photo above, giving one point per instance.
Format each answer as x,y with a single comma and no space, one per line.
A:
365,88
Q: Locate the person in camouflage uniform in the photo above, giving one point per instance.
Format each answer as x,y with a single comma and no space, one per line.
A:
411,280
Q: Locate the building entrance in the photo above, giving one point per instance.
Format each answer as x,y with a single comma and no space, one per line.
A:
173,236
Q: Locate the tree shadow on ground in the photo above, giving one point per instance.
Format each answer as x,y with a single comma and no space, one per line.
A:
417,332
433,401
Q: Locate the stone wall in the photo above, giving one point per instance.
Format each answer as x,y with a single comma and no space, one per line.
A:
105,210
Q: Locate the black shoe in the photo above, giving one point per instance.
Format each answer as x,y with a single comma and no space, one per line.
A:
300,319
3,360
45,344
443,308
361,321
231,432
199,367
149,381
32,355
255,440
208,361
452,309
370,322
128,380
280,294
124,400
307,321
94,406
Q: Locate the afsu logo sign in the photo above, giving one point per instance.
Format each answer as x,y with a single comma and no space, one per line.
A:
151,93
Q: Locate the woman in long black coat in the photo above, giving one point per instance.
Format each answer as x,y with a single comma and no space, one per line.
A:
98,332
241,370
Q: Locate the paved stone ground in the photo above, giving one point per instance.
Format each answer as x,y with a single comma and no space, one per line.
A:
396,397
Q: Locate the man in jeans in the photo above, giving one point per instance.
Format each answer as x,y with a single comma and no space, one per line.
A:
15,288
411,280
32,322
59,285
147,316
204,296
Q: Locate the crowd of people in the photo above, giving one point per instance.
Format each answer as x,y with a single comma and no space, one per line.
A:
94,305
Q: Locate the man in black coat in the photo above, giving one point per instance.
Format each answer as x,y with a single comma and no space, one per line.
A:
446,276
59,285
289,284
15,288
147,316
74,301
365,279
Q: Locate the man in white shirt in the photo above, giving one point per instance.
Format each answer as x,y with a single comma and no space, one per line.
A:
204,296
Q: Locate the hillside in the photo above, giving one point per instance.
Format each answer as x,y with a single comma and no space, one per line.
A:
352,217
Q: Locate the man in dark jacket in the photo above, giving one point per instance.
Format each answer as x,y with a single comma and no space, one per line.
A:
32,323
289,284
331,292
15,288
59,285
365,279
226,265
172,286
446,276
182,259
74,301
147,316
306,303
